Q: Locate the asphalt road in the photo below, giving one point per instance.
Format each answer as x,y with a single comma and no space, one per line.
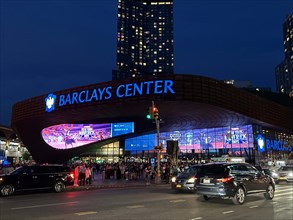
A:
149,203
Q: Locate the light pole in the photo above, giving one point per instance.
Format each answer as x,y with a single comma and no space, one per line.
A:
153,113
158,176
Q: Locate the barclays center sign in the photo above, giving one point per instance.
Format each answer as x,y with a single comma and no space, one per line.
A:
152,87
275,145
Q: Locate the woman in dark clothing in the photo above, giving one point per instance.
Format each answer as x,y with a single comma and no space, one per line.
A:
118,173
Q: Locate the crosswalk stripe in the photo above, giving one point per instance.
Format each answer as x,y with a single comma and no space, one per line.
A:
284,194
135,206
85,213
178,200
227,212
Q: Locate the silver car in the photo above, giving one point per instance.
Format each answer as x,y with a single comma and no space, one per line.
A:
283,174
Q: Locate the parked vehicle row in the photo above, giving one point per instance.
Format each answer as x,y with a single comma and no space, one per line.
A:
33,177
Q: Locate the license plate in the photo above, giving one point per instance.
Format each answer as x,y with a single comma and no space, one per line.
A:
206,181
178,186
282,178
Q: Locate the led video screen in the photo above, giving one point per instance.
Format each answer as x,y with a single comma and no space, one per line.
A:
198,140
66,136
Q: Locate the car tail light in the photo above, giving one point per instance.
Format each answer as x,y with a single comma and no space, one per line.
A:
71,175
224,180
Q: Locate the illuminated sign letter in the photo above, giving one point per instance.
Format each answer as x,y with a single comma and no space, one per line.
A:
158,87
117,91
168,86
74,97
80,98
61,100
148,84
108,92
128,90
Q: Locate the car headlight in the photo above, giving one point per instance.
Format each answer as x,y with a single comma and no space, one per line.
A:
290,174
1,179
274,174
191,180
173,179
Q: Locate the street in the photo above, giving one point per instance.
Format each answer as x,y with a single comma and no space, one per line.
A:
151,202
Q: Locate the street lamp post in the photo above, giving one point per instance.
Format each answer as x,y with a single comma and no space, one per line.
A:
153,113
158,176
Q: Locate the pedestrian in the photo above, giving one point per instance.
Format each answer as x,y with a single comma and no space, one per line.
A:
148,174
81,174
88,175
76,172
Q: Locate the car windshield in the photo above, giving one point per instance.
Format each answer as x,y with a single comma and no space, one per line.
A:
17,171
213,170
192,170
286,169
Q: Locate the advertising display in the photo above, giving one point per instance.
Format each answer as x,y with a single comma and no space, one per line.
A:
66,136
199,140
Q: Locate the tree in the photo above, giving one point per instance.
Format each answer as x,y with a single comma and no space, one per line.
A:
26,155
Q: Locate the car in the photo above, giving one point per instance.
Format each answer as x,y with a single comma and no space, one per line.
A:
185,181
265,170
34,177
283,174
233,181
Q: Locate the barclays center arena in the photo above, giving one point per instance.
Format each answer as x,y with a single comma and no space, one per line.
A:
107,121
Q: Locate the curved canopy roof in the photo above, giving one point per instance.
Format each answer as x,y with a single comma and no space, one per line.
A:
186,102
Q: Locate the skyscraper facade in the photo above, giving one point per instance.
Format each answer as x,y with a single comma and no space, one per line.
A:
284,71
144,38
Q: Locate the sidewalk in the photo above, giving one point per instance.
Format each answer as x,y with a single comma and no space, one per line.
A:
100,183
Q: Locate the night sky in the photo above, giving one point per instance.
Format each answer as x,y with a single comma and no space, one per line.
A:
50,45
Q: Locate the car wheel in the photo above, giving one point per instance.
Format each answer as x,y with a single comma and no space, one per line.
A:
270,192
206,198
59,186
7,190
239,197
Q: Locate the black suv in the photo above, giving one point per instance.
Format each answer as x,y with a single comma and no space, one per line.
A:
33,177
233,180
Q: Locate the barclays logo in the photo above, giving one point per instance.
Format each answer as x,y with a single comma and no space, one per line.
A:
50,102
260,143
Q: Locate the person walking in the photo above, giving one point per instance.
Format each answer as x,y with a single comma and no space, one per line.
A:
148,174
81,174
88,175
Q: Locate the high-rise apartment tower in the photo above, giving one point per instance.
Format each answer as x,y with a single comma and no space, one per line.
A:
144,38
284,71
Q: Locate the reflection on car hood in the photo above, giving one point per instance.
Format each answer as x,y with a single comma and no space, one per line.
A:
184,176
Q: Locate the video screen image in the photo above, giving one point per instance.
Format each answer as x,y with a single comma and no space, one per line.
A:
66,136
198,140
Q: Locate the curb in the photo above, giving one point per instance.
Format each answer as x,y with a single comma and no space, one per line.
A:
111,186
108,186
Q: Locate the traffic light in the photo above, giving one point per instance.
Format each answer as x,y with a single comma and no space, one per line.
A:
155,113
160,147
149,114
152,113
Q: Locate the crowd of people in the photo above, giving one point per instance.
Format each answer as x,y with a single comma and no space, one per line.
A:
86,172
